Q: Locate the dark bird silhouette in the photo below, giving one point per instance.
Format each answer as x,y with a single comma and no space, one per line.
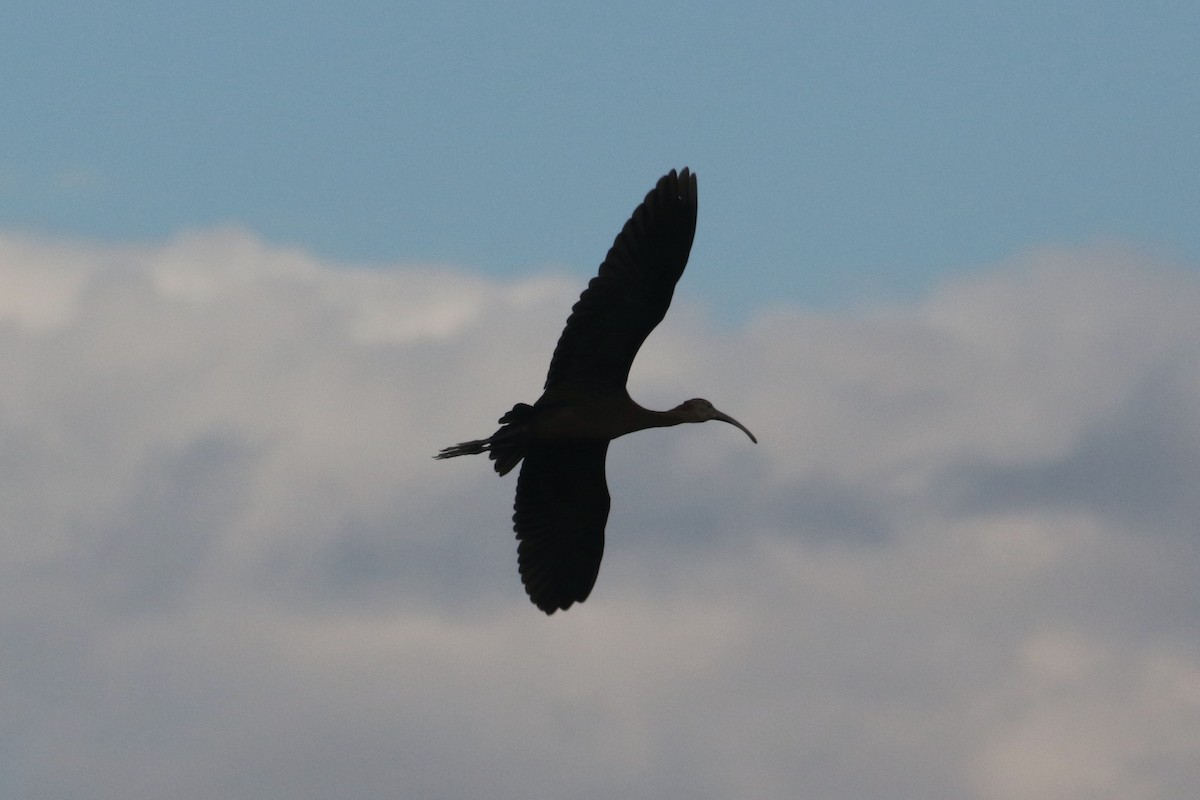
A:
562,496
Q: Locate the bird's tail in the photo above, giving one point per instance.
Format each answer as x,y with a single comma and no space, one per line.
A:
464,449
506,446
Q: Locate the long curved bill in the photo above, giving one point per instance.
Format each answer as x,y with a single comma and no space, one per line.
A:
726,418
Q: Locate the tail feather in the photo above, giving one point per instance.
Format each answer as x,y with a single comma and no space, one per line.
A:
464,449
506,446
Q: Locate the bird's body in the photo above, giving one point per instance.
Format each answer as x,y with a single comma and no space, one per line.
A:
593,416
562,496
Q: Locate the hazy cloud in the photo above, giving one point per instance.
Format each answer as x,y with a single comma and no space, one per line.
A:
961,563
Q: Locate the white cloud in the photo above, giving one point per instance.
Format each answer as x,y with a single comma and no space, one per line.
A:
961,563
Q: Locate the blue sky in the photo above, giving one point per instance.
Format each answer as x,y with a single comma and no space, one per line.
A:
847,151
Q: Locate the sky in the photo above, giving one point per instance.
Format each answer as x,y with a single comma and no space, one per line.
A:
257,265
848,152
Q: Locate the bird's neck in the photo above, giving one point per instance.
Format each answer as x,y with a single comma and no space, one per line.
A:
646,418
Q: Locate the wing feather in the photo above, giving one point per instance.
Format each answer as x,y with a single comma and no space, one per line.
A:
559,516
632,292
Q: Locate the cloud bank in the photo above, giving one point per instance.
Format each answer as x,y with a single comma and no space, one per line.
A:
961,563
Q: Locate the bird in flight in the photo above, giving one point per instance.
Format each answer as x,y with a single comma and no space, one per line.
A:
562,497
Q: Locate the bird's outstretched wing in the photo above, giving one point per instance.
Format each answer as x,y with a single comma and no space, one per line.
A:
632,292
561,508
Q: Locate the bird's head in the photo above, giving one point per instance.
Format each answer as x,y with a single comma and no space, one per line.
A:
699,410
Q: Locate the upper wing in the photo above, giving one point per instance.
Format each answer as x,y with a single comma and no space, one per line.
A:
561,508
631,294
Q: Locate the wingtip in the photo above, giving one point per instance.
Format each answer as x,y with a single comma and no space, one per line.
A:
550,605
549,608
680,177
680,184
